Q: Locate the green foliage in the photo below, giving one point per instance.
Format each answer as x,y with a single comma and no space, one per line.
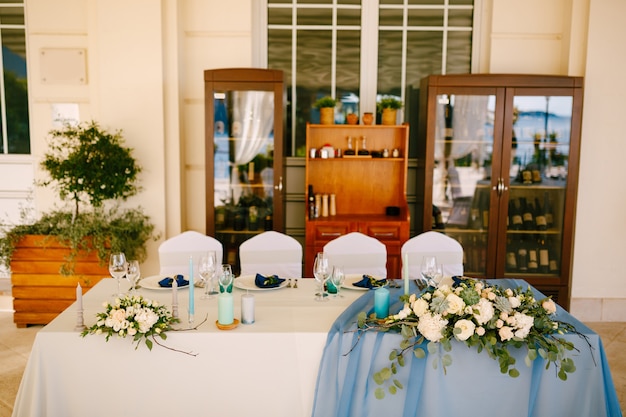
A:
388,103
89,165
325,102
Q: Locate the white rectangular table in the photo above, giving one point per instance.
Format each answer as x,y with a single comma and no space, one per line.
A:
266,368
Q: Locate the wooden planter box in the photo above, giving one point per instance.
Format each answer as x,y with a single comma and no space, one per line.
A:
40,292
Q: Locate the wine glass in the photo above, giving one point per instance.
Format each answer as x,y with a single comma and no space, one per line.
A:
117,269
321,271
133,273
337,279
226,278
206,269
431,270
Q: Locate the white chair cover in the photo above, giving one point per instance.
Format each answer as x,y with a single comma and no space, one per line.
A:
448,251
270,253
174,253
358,254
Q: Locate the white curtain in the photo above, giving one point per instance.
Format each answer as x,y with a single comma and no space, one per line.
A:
253,114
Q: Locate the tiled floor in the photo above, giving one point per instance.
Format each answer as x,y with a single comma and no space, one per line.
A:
15,345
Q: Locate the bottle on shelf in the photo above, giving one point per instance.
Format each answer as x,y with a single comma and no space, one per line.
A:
515,215
544,256
474,221
511,255
553,264
437,218
485,211
311,203
547,210
350,150
527,214
533,258
522,255
363,149
540,216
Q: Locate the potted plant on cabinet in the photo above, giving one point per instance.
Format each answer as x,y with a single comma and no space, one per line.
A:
326,105
388,107
91,170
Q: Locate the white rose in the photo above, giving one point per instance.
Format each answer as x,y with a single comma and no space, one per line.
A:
455,304
132,331
480,331
467,328
412,298
483,311
499,324
515,302
523,323
549,306
431,326
506,333
420,307
491,296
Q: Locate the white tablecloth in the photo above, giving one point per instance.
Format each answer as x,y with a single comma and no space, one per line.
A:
267,368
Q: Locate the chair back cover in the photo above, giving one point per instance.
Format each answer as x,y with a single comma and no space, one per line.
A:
448,251
174,253
358,254
270,253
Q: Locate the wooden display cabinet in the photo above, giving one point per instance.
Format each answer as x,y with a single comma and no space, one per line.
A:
493,145
364,187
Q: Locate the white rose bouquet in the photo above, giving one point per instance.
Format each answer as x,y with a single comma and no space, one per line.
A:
134,316
487,317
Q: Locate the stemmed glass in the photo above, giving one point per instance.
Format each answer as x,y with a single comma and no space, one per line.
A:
337,279
225,278
431,270
207,268
321,271
117,269
133,273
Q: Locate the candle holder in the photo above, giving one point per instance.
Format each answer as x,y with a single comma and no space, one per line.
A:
80,323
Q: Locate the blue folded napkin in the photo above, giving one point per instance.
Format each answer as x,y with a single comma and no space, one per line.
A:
370,282
270,281
167,281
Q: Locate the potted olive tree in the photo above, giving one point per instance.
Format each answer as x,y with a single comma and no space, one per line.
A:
92,171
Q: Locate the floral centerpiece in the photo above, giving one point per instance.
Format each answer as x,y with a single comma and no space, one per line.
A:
486,317
133,316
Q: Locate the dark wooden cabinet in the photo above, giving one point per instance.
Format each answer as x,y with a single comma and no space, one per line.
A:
498,171
244,110
360,187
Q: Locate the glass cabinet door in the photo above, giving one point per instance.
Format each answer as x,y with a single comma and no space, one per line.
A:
540,138
243,125
462,173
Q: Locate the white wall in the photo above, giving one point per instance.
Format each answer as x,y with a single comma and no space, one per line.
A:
145,63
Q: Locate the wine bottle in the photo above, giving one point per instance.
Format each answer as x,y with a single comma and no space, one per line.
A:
547,210
437,222
553,265
311,203
540,216
544,256
350,150
522,255
515,215
485,211
511,255
533,258
527,214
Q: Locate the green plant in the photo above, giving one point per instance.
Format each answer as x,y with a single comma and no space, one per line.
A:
88,166
325,102
388,103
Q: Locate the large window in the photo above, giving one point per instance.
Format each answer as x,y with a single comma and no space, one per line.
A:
13,87
358,51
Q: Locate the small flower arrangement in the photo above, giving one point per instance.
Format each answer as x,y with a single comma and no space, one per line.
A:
134,316
486,317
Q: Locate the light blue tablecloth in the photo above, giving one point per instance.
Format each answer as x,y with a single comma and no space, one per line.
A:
472,384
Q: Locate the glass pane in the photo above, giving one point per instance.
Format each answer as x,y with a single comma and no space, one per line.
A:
423,55
348,78
349,17
244,155
390,17
389,62
279,57
461,178
460,17
538,177
316,16
459,53
16,90
425,17
279,16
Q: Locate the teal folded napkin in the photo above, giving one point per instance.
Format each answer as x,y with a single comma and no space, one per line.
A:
270,281
167,281
370,282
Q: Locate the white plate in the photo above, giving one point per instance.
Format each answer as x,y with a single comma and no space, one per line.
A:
246,282
352,278
152,283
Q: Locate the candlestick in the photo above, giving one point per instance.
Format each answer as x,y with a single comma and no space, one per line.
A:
175,299
225,308
405,273
191,286
247,308
80,323
381,302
